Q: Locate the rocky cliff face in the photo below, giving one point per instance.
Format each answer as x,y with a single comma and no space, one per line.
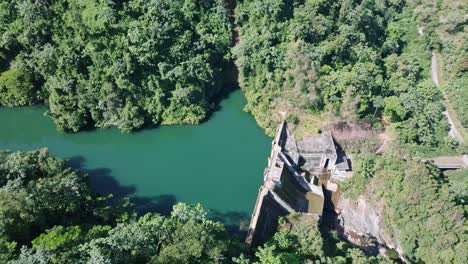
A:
362,224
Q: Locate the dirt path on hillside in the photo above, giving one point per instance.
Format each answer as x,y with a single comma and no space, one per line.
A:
434,75
435,78
384,138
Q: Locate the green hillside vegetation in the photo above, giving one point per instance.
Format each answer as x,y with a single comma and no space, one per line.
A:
17,89
422,208
135,63
444,26
38,192
320,59
123,64
48,214
299,240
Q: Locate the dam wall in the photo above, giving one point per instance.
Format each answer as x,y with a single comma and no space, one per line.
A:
267,212
295,179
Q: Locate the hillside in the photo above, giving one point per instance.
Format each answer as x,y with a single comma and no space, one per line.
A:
121,64
363,66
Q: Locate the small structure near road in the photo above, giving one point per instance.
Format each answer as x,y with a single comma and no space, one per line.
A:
298,178
451,163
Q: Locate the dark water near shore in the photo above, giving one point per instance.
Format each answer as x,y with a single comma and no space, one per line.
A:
218,163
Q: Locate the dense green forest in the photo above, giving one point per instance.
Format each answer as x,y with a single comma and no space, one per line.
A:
322,61
48,214
135,63
114,63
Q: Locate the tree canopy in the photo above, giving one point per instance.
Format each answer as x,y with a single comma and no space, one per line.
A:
135,63
354,59
114,63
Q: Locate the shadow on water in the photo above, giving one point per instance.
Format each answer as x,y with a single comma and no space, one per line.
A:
228,80
103,183
236,223
101,179
161,204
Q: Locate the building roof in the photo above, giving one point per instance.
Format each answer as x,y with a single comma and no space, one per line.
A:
309,153
322,144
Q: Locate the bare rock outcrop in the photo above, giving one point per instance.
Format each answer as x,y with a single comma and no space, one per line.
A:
362,224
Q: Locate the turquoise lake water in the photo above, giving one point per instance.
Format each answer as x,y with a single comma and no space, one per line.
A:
218,163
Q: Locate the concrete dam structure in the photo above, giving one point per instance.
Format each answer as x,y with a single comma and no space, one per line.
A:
299,177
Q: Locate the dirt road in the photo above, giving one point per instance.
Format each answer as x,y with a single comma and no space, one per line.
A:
435,78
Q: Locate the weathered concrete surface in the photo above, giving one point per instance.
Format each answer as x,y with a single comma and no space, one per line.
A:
458,162
265,218
362,220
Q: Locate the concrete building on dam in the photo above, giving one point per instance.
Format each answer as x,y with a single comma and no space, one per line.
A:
300,177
